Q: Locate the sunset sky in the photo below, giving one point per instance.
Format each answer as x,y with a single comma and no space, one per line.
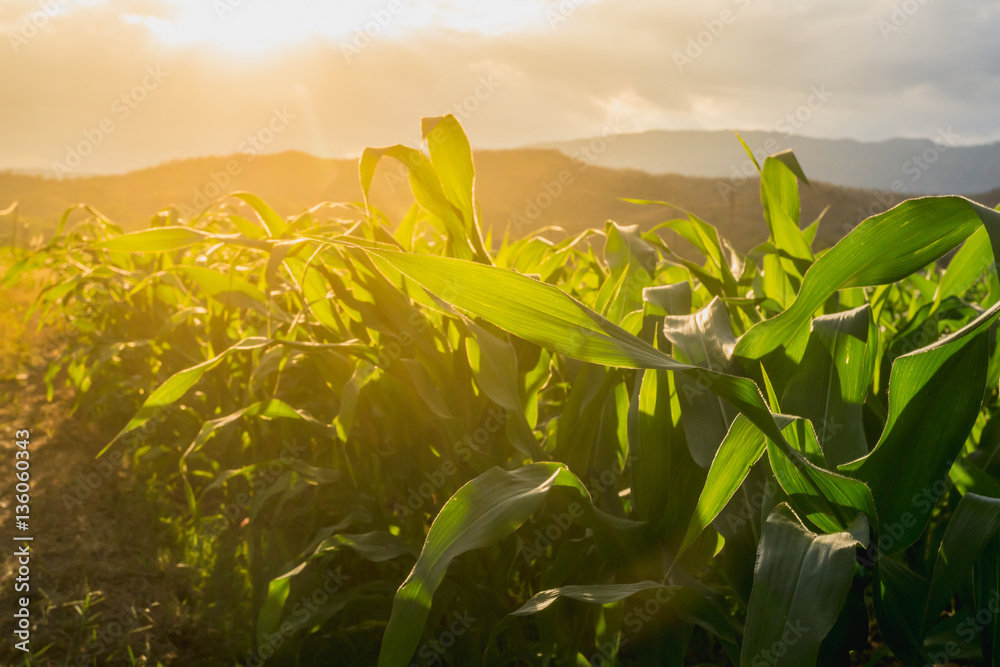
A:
133,83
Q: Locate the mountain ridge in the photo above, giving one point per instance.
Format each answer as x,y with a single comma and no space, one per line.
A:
518,189
906,166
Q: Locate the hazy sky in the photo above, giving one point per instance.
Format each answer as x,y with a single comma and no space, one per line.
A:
107,86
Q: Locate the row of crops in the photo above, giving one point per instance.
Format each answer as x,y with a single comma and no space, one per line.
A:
405,442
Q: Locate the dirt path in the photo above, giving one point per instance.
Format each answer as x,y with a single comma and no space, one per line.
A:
101,589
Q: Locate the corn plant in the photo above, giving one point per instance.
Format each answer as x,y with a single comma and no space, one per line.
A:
596,450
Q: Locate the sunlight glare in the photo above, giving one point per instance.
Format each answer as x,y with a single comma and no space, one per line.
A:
260,26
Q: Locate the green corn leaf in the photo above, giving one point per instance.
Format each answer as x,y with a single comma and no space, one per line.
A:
971,528
427,190
222,286
482,512
742,447
987,588
545,315
969,477
809,233
801,582
779,194
493,363
625,248
251,230
974,257
681,598
376,546
689,603
451,157
632,262
273,223
703,339
316,291
830,501
270,409
882,249
830,384
705,237
665,479
934,397
177,385
612,299
900,595
532,310
158,239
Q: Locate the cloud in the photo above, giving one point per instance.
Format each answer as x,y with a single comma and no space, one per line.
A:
557,70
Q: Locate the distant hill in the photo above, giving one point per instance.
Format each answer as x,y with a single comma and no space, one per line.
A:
916,166
519,189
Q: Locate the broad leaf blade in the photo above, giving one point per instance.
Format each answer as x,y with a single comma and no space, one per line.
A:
482,512
830,383
703,339
800,584
882,249
830,501
934,397
158,239
741,448
971,528
547,316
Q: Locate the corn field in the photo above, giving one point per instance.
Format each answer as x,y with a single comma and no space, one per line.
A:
403,442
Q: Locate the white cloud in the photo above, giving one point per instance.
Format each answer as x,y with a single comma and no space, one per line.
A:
612,56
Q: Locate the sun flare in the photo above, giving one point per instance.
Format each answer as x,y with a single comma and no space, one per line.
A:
261,26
